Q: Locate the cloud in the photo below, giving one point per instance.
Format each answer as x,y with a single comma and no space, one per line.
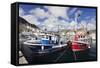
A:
72,11
77,14
52,15
52,22
55,24
92,24
73,23
33,15
31,19
57,11
21,11
84,24
39,13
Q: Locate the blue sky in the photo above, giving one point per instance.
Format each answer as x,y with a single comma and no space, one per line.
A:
40,15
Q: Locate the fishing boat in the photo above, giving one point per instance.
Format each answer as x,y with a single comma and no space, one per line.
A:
80,46
81,42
